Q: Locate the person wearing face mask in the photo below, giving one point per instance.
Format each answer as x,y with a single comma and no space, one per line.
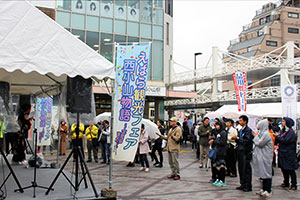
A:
287,159
263,157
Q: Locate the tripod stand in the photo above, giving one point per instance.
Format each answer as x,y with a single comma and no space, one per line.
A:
77,153
34,182
11,173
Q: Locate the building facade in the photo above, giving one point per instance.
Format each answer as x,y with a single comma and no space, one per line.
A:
100,23
272,26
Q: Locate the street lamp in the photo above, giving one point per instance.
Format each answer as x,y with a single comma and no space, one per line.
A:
195,84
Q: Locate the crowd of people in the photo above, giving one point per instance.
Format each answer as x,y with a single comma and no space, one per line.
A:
229,148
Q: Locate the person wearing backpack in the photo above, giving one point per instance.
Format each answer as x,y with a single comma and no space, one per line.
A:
105,142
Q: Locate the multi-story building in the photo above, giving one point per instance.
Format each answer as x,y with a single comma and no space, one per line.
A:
100,23
272,26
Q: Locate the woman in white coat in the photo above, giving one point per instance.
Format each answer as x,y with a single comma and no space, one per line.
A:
263,157
144,149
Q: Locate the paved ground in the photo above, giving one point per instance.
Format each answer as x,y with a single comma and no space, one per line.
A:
132,184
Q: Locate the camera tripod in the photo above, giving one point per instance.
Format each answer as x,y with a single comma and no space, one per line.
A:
78,153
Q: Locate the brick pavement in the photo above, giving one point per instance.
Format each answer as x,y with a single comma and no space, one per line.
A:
133,184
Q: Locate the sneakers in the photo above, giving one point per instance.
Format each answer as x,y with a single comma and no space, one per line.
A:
142,168
216,182
147,170
221,184
212,180
266,194
260,192
171,176
176,177
201,166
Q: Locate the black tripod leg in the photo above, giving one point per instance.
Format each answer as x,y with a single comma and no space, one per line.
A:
60,171
82,169
28,145
12,172
88,173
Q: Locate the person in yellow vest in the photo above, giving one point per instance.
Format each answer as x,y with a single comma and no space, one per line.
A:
79,141
91,133
2,129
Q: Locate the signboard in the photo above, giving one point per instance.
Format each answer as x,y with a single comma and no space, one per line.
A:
240,86
129,99
289,101
156,91
43,117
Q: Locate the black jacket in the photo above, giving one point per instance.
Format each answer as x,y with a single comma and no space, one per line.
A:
220,142
245,142
287,139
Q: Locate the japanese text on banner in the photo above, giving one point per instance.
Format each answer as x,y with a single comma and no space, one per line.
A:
240,86
130,94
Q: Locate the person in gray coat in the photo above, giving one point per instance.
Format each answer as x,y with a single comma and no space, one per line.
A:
263,157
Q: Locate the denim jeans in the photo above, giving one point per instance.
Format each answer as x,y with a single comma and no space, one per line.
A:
105,151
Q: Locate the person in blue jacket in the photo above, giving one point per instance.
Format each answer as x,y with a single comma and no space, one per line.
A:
287,159
244,149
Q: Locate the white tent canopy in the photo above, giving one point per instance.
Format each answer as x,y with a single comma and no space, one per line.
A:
273,110
35,50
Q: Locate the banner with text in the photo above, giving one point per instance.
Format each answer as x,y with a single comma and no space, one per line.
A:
43,118
240,86
289,101
129,100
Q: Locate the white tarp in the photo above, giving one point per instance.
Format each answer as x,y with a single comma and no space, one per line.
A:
33,43
273,110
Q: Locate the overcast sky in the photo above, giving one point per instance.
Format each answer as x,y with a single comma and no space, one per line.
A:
201,24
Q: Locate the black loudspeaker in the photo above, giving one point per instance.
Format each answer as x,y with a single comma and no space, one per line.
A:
79,94
4,93
24,100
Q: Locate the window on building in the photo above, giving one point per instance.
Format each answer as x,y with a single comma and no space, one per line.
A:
146,30
158,3
92,40
120,39
158,32
146,10
271,43
133,28
79,34
133,10
78,6
293,15
63,18
293,30
259,32
268,18
296,79
64,4
168,34
158,52
275,81
169,7
92,23
248,49
158,16
106,49
262,21
133,39
106,25
78,21
120,27
93,7
107,8
120,9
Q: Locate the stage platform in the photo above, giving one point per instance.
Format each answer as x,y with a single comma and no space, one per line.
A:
62,188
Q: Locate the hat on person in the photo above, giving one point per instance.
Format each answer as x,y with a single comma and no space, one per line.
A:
173,119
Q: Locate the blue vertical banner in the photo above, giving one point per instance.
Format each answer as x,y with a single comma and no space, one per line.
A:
129,100
43,119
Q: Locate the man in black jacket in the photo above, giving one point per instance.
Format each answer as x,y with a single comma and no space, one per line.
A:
244,149
157,146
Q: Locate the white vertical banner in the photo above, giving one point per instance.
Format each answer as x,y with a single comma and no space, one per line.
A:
289,101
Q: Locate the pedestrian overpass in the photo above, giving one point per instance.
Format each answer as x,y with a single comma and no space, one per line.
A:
281,61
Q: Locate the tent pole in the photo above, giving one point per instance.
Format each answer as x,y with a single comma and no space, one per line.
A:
59,113
112,119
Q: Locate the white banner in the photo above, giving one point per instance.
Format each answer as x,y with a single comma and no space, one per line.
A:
289,101
43,118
